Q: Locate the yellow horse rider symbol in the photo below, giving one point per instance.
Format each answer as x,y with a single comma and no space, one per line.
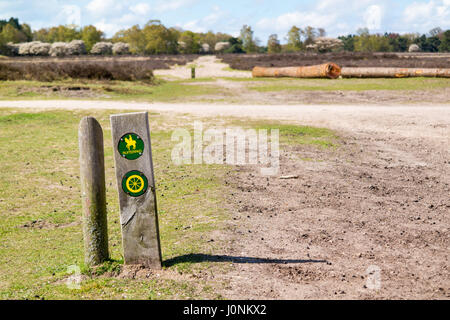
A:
130,142
135,183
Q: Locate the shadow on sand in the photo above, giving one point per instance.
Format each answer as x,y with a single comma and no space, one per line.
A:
198,257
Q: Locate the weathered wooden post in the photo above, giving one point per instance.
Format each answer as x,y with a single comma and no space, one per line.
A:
92,176
136,186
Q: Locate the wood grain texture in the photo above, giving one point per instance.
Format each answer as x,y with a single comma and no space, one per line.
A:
138,215
92,176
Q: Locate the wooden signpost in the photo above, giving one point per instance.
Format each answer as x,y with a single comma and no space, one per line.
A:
136,186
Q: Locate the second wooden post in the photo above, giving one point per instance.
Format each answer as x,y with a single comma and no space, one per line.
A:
136,186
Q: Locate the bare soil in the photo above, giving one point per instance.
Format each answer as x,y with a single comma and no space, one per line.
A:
239,92
63,91
343,59
377,200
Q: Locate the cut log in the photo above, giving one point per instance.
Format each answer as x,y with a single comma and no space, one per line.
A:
348,72
327,70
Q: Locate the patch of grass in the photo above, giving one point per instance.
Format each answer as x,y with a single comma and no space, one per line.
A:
165,91
418,83
207,79
230,69
237,79
295,134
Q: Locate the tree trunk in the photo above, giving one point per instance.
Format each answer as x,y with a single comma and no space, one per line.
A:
327,70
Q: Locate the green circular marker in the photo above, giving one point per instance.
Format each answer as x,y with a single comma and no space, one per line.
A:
134,183
131,146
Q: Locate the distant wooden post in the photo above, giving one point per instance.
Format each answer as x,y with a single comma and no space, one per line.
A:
92,176
192,72
136,186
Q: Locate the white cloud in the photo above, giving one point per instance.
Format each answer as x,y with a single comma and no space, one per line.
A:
71,14
214,16
170,5
207,22
425,15
193,26
108,28
336,16
417,11
297,18
128,19
373,16
103,7
140,8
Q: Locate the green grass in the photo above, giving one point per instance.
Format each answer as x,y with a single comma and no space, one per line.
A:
39,181
295,134
164,91
185,90
349,84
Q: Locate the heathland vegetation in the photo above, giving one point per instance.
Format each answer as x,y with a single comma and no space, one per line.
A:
155,38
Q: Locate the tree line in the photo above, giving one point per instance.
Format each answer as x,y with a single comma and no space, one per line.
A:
155,38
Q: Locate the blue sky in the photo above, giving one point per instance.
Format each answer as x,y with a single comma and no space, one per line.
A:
265,16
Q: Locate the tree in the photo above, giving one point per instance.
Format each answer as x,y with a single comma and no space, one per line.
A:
428,44
3,48
445,42
248,42
209,38
236,46
294,39
159,39
348,42
273,44
190,42
91,35
13,31
435,31
26,30
176,32
366,42
397,42
11,34
411,37
58,34
362,32
310,35
154,38
134,37
13,22
321,32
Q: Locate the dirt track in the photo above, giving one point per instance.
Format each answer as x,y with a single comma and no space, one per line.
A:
381,199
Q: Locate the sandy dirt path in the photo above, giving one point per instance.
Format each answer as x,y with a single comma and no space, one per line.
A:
431,122
369,220
205,67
